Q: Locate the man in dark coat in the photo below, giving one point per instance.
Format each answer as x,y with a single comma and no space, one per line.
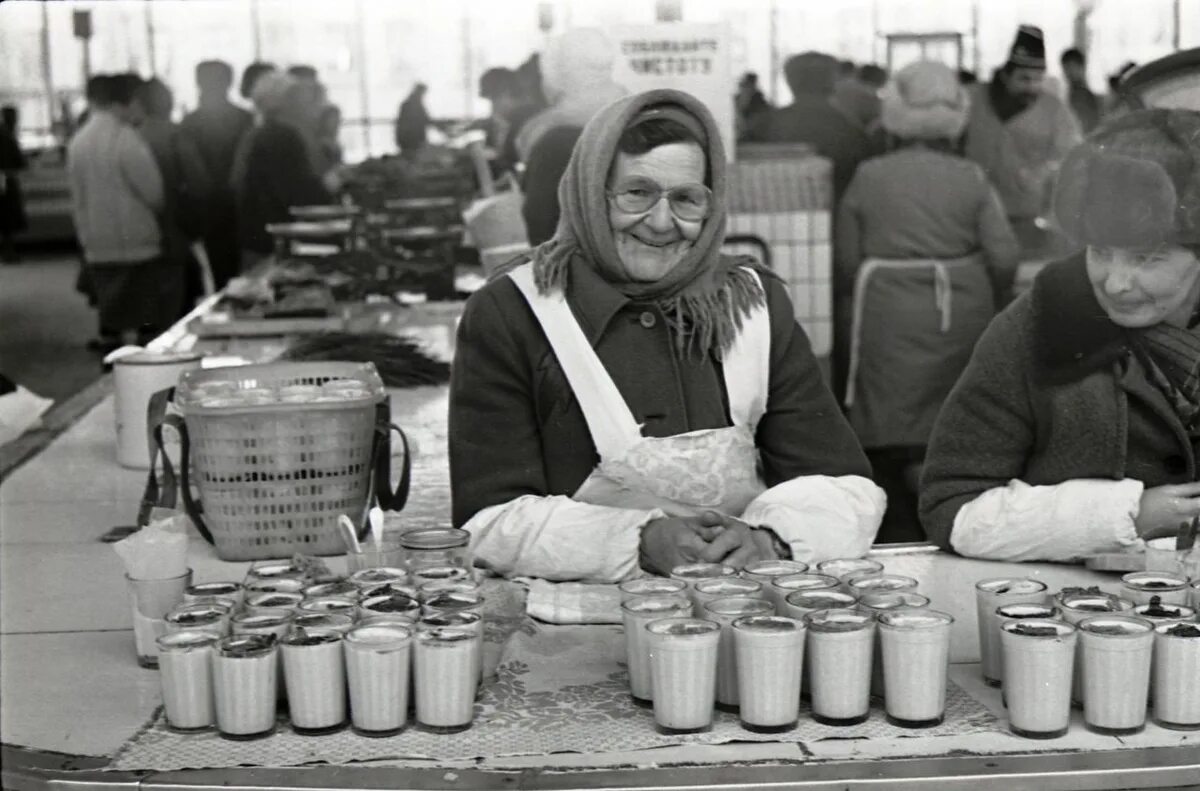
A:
412,125
217,127
811,118
12,203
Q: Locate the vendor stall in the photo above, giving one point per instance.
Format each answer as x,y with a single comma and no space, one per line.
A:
554,711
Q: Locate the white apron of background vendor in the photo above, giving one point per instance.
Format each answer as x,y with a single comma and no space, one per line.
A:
707,469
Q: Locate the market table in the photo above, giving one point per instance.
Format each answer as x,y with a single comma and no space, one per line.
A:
77,710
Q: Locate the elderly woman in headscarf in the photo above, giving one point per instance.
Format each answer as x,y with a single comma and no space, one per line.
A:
279,171
921,242
628,396
1075,427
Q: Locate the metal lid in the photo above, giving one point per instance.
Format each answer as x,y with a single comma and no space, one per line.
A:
453,600
275,585
805,581
379,635
1026,610
276,570
702,571
774,568
440,573
391,604
738,606
728,586
214,588
435,538
840,620
185,640
888,582
646,586
323,620
683,627
307,637
656,604
378,576
768,623
1039,628
1010,586
838,567
323,589
1116,626
191,614
891,600
328,604
1155,580
915,619
264,619
821,599
275,600
246,646
445,635
451,618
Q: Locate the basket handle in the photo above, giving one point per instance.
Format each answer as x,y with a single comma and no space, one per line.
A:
154,496
191,506
390,499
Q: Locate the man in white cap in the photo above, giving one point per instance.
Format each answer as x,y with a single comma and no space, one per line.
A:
1019,134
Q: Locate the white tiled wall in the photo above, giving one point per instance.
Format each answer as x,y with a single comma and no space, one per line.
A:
801,254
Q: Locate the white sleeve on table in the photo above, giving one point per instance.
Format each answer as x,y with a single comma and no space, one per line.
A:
821,517
557,538
1060,522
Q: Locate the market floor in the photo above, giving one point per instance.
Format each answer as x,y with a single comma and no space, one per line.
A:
45,325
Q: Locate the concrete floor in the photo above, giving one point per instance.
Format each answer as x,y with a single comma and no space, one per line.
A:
44,326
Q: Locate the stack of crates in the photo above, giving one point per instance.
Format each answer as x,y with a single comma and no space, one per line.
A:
781,200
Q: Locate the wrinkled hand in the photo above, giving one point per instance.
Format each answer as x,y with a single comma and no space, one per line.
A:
674,541
738,544
1164,508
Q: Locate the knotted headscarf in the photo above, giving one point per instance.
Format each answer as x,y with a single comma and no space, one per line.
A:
707,295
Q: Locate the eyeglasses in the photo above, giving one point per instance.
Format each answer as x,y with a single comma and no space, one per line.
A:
688,202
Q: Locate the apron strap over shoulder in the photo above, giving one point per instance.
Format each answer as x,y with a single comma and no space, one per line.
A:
612,425
747,367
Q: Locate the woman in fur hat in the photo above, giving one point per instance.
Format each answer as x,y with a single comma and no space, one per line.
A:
1075,428
923,247
630,397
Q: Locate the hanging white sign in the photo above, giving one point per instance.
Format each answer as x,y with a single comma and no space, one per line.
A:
687,57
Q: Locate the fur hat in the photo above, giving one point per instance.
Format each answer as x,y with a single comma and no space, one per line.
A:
811,72
1135,182
1028,49
924,101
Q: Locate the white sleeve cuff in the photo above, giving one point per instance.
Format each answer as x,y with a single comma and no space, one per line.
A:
821,517
558,538
1060,523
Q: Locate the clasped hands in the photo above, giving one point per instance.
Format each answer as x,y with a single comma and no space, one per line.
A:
709,537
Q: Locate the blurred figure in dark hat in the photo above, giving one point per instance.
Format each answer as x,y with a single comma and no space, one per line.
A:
749,104
856,98
1084,103
811,118
1019,134
511,108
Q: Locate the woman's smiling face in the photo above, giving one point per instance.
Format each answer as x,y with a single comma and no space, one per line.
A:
651,243
1141,288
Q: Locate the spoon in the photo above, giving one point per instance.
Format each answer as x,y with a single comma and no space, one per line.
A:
375,517
349,534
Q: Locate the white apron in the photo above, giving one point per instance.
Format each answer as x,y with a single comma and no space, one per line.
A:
906,349
715,469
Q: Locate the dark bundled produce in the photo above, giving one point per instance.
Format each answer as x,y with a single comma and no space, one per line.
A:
400,361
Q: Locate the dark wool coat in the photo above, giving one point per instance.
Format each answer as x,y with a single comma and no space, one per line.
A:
516,428
1051,394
